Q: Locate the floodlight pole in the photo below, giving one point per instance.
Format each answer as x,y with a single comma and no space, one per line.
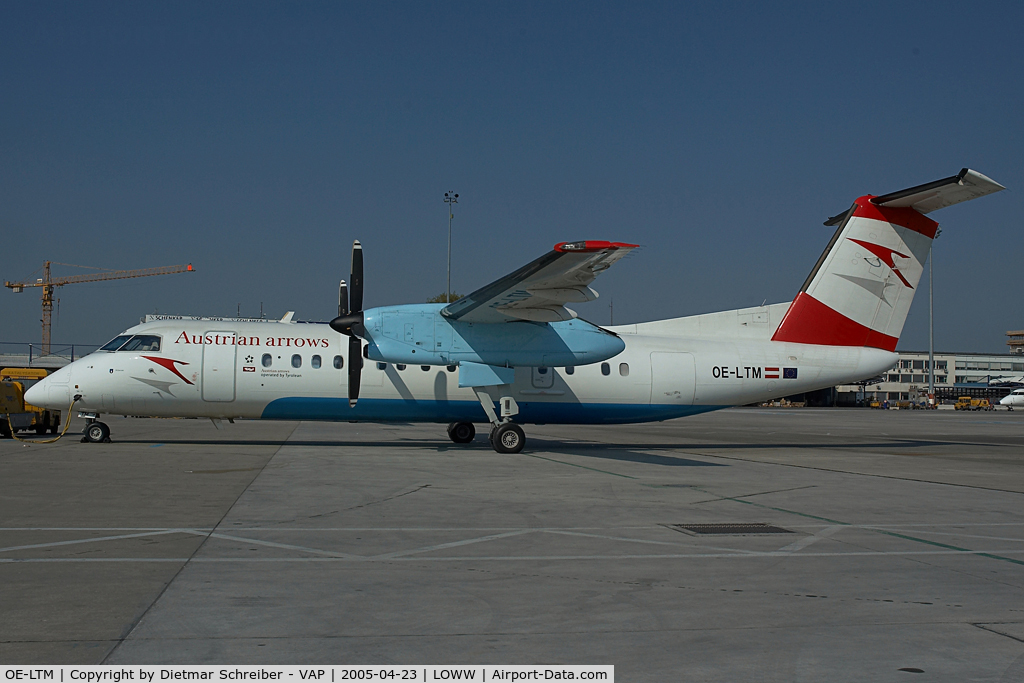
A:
931,328
450,198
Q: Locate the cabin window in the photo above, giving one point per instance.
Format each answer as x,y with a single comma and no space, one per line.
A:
315,362
296,361
400,366
268,360
542,371
425,368
366,351
451,368
339,362
569,369
624,369
606,369
115,343
382,366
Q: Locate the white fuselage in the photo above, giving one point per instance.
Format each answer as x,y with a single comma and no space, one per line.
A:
1014,399
227,368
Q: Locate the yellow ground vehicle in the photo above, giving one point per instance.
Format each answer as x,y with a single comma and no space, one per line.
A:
968,403
15,414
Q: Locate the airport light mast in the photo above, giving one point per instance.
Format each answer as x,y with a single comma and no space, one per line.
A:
48,284
931,325
450,198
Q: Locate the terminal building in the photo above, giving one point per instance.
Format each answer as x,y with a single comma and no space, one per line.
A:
977,375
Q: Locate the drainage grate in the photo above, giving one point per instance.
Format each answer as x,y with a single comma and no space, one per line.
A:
729,528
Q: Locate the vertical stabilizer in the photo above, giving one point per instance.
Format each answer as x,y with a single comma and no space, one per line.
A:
860,291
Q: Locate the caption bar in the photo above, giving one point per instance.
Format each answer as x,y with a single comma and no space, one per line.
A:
312,674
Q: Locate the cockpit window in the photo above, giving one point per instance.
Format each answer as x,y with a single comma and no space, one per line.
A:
115,343
138,342
142,342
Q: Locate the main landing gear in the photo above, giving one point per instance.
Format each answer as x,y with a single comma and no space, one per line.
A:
505,437
461,432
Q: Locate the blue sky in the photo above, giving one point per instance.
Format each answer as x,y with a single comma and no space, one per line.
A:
257,140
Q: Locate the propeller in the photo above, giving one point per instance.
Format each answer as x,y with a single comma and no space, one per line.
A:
350,321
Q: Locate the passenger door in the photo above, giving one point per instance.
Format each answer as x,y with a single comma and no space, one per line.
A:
673,378
219,369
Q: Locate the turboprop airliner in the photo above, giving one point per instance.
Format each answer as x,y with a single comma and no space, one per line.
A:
513,353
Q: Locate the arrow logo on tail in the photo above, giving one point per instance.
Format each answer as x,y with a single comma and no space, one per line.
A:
885,254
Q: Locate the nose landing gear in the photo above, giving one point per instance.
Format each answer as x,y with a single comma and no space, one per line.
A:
96,432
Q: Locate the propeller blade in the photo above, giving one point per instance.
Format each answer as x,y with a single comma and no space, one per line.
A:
355,367
342,299
356,292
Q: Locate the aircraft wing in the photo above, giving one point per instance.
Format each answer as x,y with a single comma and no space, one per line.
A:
539,290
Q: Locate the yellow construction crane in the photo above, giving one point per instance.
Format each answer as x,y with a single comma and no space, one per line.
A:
49,284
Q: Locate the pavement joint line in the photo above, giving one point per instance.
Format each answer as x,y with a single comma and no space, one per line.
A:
984,626
583,467
987,538
827,532
894,527
636,540
284,546
530,558
97,539
453,544
97,528
894,534
851,473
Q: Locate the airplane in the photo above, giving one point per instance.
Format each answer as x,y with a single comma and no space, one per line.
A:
1014,398
512,352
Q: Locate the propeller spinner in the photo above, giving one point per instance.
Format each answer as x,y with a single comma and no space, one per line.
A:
350,321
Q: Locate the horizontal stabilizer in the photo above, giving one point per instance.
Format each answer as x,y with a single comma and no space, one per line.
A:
939,194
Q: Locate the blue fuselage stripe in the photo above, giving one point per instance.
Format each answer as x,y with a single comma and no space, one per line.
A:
398,410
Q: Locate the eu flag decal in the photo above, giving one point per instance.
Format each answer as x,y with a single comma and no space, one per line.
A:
788,373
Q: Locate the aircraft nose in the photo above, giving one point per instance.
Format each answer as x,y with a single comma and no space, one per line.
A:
37,393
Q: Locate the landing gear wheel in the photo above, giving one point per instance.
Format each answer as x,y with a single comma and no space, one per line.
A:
508,438
461,432
97,432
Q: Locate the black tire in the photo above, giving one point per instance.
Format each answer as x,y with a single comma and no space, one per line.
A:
461,432
508,438
97,432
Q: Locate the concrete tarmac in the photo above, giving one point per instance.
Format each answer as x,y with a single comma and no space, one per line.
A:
263,542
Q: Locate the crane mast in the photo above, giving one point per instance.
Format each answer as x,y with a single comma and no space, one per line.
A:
49,284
